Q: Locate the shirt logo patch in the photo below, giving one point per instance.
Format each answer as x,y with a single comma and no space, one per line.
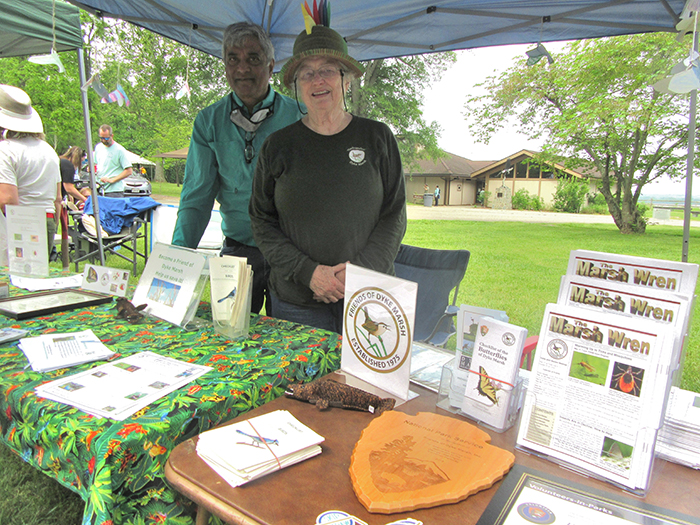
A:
357,156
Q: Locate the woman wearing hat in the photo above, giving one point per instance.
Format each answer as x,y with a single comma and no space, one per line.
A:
29,167
328,189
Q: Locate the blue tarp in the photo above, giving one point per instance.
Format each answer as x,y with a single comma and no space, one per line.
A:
387,28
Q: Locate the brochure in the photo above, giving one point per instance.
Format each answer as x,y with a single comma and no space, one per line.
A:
641,272
467,325
61,350
231,281
494,371
255,447
11,334
597,393
119,389
679,439
172,283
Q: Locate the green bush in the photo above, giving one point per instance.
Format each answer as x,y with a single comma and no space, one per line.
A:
570,194
522,200
483,197
597,199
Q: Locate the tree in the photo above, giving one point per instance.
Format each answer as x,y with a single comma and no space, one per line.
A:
596,107
391,91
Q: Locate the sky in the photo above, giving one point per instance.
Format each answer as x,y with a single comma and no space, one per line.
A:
444,103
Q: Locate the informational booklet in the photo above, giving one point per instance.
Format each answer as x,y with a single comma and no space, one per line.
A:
641,272
62,350
378,327
231,280
679,439
172,283
652,305
597,392
119,389
494,371
106,280
27,245
467,325
255,447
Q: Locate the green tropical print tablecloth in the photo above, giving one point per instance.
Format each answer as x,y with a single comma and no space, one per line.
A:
117,466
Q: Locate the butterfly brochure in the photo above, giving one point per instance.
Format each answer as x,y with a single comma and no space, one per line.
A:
596,396
491,384
249,449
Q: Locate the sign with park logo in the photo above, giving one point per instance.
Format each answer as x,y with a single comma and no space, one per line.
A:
378,329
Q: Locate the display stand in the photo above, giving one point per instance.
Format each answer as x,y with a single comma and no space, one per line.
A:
445,395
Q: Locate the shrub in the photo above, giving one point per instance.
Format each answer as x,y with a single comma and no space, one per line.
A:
570,194
522,200
483,197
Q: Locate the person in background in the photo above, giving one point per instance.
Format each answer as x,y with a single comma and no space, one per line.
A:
437,194
328,189
224,147
113,165
29,167
70,164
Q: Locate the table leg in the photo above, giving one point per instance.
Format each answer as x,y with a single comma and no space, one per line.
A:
202,516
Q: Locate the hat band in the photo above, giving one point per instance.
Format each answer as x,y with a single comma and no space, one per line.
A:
13,114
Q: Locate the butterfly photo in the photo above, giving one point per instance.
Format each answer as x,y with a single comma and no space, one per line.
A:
487,387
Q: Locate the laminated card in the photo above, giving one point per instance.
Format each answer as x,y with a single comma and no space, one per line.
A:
171,283
27,246
378,328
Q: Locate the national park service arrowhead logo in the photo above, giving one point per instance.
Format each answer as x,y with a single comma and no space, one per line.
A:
484,330
377,330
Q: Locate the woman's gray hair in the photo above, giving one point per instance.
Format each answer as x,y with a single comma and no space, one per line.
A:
236,35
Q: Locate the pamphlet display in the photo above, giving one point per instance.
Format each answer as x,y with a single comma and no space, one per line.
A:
250,449
231,295
172,283
493,375
467,325
378,329
597,393
119,389
679,439
27,244
105,280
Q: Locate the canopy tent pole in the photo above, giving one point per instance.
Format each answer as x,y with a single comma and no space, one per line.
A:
91,164
689,163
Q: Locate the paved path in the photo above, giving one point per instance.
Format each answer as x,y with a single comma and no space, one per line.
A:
468,213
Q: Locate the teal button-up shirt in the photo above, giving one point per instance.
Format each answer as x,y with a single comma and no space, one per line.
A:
216,169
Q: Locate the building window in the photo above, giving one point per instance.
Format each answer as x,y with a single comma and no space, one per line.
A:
533,172
547,173
520,170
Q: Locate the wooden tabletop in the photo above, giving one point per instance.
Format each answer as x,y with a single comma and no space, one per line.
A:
298,494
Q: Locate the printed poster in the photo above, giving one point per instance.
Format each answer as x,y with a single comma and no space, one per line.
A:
378,329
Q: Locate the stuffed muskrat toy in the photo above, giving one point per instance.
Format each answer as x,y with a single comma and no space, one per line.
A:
330,393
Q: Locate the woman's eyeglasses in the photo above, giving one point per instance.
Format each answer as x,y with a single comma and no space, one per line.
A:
307,75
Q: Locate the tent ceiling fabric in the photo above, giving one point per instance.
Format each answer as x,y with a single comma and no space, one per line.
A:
26,27
389,28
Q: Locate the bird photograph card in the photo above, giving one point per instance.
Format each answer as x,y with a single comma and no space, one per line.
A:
378,328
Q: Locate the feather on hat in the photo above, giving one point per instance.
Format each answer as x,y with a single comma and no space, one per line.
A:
317,39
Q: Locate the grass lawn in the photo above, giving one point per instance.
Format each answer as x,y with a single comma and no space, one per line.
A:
514,267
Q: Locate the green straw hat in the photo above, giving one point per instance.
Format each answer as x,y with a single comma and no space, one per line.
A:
322,41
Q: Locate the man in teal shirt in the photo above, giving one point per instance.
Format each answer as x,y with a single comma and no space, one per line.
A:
224,148
113,164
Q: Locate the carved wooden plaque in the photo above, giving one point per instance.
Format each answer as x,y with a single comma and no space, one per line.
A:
404,462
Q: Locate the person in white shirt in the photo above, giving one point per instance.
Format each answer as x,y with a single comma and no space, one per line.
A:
29,167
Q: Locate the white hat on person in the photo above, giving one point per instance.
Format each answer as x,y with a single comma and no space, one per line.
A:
16,111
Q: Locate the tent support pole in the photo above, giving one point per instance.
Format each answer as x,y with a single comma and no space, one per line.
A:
91,163
690,164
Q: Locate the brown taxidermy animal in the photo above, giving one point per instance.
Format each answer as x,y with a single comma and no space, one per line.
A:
330,393
126,310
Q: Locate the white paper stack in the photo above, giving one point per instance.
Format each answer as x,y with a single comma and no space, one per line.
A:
53,351
679,439
255,447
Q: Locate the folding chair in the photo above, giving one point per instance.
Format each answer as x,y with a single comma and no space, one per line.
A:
121,229
437,272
